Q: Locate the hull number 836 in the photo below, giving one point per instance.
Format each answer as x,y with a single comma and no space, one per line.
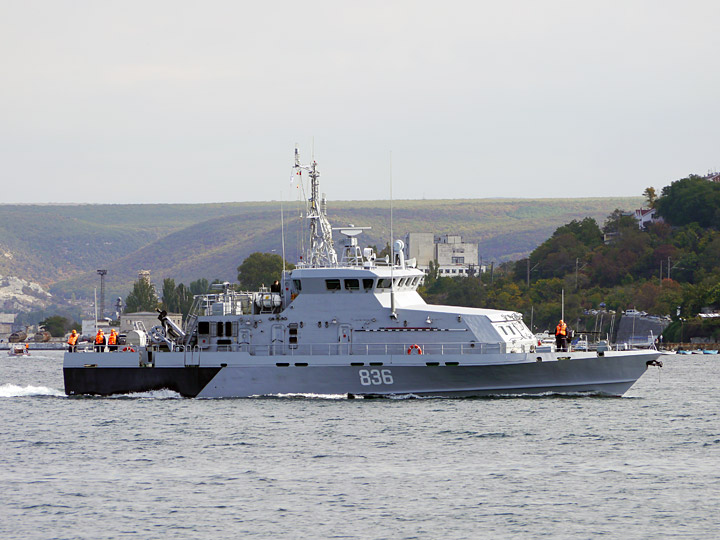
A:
370,377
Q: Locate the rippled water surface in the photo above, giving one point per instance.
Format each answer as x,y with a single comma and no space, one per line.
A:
158,466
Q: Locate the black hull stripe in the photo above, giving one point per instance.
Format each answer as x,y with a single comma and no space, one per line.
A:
186,381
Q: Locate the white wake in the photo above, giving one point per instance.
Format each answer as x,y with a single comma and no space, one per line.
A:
150,394
13,390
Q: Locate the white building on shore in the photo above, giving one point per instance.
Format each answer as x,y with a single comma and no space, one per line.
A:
454,257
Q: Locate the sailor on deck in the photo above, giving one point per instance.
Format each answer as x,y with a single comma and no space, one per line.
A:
112,341
561,336
72,341
100,341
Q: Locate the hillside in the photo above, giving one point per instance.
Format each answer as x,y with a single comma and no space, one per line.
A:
61,246
48,243
669,269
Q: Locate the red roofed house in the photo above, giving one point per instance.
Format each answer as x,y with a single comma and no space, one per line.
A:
645,216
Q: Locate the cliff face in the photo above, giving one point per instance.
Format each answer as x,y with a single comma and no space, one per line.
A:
20,295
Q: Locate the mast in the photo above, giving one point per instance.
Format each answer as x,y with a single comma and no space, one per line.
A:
393,314
321,252
282,239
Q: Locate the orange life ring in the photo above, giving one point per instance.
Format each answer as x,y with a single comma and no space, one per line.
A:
128,349
416,347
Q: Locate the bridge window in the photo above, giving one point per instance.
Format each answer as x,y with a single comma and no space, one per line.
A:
297,284
220,328
332,284
352,284
368,283
384,283
204,327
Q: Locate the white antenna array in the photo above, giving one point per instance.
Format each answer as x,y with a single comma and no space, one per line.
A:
321,252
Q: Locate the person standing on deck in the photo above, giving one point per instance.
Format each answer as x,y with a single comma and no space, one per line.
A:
561,336
100,341
112,341
72,341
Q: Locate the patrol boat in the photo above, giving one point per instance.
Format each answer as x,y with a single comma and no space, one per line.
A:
344,322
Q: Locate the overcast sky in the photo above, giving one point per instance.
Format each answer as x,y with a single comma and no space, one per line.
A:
179,101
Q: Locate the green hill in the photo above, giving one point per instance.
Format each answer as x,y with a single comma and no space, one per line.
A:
61,246
48,243
669,268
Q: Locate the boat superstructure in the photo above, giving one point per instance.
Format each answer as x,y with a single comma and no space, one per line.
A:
346,322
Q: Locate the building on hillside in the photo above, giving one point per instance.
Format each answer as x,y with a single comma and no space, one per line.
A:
7,321
646,216
147,318
713,177
454,257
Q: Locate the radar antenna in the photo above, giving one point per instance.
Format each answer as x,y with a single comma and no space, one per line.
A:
321,252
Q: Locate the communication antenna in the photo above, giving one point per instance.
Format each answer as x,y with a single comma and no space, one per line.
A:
302,199
321,253
282,240
102,274
393,315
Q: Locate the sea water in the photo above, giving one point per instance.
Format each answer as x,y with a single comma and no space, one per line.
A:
154,465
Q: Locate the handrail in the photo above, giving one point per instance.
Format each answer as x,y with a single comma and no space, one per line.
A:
368,349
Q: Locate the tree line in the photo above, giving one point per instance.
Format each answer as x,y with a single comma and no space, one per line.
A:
669,268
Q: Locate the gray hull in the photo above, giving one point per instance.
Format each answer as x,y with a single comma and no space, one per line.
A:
223,375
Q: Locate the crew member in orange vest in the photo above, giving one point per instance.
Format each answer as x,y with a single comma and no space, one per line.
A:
100,341
72,341
112,341
561,336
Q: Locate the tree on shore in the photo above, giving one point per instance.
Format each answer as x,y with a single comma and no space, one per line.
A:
142,297
261,269
650,196
58,326
170,298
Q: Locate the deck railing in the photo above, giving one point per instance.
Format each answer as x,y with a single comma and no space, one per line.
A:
364,349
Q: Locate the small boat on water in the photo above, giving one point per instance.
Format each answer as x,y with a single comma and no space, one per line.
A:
18,350
710,351
684,352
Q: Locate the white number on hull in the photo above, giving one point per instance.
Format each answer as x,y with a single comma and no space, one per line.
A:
370,377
